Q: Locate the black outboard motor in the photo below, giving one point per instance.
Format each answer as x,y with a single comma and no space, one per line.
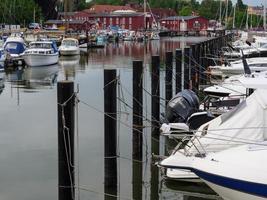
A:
181,106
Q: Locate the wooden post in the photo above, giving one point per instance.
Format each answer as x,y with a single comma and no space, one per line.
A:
168,80
137,152
155,90
194,68
110,136
178,59
137,109
187,66
65,100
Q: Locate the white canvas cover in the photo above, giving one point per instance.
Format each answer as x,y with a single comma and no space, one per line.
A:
244,124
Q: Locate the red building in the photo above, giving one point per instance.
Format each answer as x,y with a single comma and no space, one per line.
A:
185,23
126,20
76,25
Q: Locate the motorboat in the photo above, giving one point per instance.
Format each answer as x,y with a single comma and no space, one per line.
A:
236,67
230,87
41,53
237,173
2,57
250,50
154,36
14,46
129,36
232,129
69,47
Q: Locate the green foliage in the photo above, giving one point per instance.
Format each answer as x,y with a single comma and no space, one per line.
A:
19,11
186,11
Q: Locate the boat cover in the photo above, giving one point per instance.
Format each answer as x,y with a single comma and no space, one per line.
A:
246,123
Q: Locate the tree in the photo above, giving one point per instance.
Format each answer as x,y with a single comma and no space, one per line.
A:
240,5
19,11
186,11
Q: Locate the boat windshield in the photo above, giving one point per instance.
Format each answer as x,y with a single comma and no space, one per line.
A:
69,43
41,45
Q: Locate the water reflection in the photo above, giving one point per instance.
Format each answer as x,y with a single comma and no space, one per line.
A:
34,77
69,65
137,180
2,82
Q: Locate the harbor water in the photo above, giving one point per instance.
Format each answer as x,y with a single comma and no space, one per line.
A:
28,107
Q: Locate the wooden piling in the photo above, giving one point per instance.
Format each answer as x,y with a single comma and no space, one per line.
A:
169,73
110,135
137,152
155,90
178,77
194,68
137,109
65,100
187,66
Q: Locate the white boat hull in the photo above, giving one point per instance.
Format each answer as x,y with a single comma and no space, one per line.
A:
229,194
70,52
34,60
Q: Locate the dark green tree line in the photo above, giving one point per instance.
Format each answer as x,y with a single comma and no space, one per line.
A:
19,11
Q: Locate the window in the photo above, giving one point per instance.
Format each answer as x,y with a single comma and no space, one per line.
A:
117,21
130,20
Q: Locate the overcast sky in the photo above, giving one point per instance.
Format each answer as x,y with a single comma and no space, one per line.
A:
253,2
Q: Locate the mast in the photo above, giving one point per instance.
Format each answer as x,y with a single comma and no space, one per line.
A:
264,15
251,21
144,14
234,17
247,20
34,14
226,14
220,17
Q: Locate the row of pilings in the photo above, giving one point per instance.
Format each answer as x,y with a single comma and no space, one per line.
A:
186,67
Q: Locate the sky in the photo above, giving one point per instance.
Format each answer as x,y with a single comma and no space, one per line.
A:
253,2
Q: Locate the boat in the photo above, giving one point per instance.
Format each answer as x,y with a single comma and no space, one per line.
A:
69,47
236,67
41,53
154,36
14,46
230,87
2,58
224,132
237,173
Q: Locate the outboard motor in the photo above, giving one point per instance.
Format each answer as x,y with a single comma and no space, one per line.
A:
181,106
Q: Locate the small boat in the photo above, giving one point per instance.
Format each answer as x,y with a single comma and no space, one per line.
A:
154,36
2,57
236,67
14,46
69,47
41,53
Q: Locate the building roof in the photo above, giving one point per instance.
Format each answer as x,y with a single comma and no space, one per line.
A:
74,21
107,8
116,14
180,18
